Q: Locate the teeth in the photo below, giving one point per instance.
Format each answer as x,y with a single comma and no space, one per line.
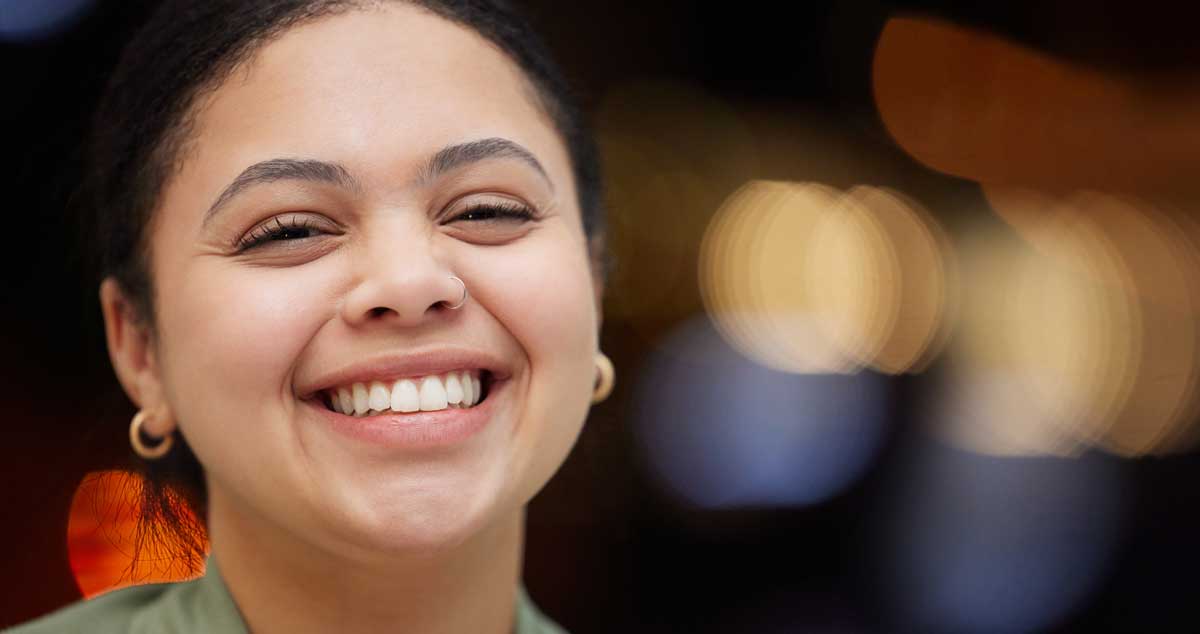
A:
433,394
345,400
405,397
454,389
381,397
427,394
361,401
468,388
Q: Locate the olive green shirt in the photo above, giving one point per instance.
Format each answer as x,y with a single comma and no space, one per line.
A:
200,605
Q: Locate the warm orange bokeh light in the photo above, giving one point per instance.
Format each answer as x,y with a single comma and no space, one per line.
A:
973,104
102,533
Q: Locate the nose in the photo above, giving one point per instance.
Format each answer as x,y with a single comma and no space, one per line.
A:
399,280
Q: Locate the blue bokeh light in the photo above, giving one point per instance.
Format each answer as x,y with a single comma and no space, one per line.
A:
30,20
723,432
999,544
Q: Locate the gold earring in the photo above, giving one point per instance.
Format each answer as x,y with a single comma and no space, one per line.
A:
606,376
140,447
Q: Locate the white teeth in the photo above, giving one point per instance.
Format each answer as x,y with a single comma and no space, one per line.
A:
380,397
427,394
405,397
454,390
361,401
345,401
468,389
433,394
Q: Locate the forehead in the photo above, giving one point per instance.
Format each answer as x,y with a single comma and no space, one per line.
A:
377,90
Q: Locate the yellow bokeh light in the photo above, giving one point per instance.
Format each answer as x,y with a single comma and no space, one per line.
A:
1090,324
984,404
851,276
804,278
752,276
921,265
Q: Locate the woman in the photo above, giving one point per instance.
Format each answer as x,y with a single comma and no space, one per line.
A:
351,281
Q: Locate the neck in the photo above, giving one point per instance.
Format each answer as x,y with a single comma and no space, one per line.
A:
282,584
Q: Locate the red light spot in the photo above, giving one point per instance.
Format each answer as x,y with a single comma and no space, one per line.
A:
102,533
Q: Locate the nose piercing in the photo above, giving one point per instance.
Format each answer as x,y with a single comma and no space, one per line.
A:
464,294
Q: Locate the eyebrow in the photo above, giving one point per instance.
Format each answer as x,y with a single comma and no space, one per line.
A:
454,156
445,160
280,169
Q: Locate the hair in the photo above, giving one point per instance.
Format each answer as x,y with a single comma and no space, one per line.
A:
184,52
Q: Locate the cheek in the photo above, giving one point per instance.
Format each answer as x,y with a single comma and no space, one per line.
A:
544,298
542,294
234,335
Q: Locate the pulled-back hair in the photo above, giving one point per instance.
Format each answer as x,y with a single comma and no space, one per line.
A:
142,128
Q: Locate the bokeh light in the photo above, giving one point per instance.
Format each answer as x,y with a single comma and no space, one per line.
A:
1083,334
988,544
973,104
720,431
26,20
925,299
102,535
803,278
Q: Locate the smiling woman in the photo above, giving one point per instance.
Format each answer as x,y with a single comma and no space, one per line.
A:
350,261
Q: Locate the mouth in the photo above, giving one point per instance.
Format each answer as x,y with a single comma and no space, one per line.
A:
459,389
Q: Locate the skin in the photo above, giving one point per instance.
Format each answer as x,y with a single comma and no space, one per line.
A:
313,531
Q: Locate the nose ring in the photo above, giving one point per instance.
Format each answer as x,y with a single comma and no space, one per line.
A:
464,294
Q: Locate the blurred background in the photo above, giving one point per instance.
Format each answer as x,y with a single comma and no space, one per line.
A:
904,315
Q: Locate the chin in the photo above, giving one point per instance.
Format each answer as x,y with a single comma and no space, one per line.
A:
424,520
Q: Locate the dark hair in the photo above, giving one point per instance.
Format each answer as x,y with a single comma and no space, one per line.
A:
186,50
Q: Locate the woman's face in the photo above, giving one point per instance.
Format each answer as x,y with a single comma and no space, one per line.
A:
375,154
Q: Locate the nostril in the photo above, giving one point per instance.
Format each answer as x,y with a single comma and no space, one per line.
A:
380,311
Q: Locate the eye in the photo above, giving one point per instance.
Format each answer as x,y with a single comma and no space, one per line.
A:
279,229
495,211
491,220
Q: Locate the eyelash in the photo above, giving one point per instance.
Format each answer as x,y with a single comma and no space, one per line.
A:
507,210
275,231
278,229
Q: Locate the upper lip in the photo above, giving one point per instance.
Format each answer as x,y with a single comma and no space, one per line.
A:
386,367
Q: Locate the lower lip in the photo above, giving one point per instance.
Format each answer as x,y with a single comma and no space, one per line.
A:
416,430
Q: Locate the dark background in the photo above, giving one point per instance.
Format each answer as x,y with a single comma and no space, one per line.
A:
608,549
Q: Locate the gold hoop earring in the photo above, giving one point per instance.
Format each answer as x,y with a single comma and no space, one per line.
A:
140,447
606,376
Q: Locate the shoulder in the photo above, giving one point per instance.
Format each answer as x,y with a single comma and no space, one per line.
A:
199,605
112,612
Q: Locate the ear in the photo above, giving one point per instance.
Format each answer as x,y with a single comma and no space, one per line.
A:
598,287
599,266
132,351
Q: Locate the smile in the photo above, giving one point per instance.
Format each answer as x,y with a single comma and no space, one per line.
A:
459,389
